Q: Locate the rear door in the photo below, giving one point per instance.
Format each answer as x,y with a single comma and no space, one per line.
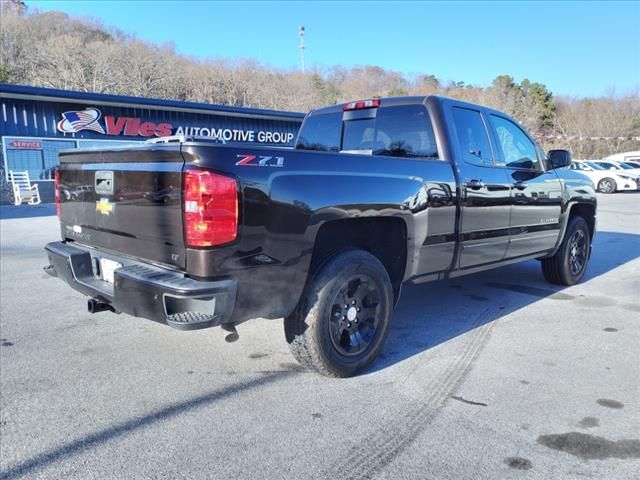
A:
127,201
536,194
486,202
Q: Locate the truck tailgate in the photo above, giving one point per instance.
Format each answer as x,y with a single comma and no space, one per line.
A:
127,201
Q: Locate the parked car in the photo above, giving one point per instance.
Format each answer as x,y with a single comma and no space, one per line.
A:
623,166
632,163
376,192
617,166
606,181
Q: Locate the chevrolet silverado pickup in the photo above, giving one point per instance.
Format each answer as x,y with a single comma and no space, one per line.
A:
375,193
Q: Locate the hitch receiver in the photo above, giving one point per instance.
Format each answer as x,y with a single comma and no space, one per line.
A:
96,306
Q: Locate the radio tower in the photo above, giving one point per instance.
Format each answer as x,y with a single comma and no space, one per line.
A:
301,32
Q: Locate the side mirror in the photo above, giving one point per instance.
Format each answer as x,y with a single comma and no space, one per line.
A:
558,159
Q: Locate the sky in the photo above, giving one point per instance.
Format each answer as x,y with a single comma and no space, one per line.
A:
575,48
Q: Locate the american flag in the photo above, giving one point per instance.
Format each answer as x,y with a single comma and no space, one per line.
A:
73,122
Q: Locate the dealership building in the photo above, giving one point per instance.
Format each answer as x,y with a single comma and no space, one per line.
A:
36,123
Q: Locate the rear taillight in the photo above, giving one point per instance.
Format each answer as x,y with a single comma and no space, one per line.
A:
210,208
362,104
56,187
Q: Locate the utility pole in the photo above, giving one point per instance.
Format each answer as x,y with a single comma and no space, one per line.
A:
301,32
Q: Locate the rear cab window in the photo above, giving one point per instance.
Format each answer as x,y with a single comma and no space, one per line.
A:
394,131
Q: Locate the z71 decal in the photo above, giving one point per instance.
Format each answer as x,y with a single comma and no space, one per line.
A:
259,161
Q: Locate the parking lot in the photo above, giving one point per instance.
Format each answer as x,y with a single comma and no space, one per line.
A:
494,375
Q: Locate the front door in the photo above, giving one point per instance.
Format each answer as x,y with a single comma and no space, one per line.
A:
484,225
536,194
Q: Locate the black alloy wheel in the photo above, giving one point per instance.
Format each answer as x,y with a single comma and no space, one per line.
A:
343,317
568,265
578,252
355,315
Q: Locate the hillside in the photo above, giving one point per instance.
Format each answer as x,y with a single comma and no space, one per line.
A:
54,50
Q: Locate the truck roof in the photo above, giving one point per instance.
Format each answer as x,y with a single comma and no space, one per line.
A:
384,102
404,100
417,100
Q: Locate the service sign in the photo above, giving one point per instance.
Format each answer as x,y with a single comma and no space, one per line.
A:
26,145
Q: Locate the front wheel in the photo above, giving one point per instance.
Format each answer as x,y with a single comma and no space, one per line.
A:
343,318
607,185
568,265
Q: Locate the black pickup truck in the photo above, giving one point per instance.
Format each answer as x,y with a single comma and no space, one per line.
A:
375,193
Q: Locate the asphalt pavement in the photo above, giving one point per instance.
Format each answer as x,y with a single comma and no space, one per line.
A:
495,375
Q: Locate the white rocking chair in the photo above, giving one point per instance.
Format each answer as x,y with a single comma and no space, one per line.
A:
23,191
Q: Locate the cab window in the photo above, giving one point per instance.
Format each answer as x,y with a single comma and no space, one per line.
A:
400,131
321,132
472,137
517,150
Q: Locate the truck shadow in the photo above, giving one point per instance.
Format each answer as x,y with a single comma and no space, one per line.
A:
433,313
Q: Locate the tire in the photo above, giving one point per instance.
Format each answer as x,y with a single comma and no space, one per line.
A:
333,340
568,265
607,185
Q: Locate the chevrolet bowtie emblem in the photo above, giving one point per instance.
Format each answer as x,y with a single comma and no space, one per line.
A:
104,207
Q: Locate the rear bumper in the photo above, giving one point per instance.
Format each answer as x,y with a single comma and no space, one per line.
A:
144,290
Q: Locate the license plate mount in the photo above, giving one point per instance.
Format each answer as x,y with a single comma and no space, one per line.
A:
107,269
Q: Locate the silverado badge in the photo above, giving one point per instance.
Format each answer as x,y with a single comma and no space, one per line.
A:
104,207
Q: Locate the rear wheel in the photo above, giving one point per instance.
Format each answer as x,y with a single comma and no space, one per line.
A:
607,185
568,265
343,319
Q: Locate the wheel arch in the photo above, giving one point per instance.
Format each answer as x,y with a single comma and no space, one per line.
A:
586,211
383,237
585,208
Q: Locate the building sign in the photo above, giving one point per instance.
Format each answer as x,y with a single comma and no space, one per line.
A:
25,145
89,119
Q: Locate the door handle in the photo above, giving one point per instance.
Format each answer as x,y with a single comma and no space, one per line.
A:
519,185
474,184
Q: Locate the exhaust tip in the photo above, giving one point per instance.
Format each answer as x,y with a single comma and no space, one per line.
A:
233,335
